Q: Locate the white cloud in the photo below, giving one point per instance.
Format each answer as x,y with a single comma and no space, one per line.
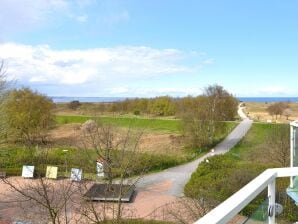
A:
18,15
27,15
105,67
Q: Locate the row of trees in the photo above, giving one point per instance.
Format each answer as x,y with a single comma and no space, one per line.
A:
279,109
158,106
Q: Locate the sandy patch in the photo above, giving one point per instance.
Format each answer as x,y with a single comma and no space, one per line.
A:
72,135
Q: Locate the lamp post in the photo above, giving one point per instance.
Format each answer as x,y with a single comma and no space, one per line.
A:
294,147
65,160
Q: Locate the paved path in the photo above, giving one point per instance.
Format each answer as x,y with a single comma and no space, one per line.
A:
179,176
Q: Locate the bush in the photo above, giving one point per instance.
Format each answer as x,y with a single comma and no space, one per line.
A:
74,105
28,116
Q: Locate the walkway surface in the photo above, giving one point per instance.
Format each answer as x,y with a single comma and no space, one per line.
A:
177,177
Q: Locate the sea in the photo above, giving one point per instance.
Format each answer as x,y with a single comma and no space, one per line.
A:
65,99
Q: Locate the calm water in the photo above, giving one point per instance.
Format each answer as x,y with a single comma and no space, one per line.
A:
268,99
62,99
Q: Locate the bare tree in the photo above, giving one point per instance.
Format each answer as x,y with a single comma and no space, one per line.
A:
184,210
287,113
277,145
40,199
117,149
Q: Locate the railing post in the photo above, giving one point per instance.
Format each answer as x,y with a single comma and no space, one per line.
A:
271,205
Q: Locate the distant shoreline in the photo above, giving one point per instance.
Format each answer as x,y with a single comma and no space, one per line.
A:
64,99
267,99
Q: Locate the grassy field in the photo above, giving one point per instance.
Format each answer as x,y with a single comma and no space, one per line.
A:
164,125
226,174
158,124
12,157
257,111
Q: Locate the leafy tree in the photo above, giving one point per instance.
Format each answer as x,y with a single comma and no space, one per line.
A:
162,106
28,115
3,93
202,118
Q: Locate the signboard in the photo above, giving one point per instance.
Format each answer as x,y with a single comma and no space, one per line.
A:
76,174
100,169
28,171
52,172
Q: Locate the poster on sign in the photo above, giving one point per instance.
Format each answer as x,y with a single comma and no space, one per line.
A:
28,171
76,174
52,172
100,169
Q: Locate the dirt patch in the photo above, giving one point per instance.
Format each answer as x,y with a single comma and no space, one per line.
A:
72,135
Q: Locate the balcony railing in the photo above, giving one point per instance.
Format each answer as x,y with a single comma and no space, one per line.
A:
228,209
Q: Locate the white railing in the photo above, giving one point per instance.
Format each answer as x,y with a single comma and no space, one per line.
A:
228,209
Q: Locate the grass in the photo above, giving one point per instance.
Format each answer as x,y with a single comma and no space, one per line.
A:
12,157
164,125
226,174
257,111
158,124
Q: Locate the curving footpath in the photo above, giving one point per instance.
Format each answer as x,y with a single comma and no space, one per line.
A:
176,177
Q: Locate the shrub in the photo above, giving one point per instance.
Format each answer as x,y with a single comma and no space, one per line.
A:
74,105
28,116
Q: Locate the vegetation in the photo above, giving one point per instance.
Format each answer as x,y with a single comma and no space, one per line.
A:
73,105
259,112
201,118
226,174
27,115
278,108
164,125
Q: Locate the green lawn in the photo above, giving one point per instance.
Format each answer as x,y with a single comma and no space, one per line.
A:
164,125
158,124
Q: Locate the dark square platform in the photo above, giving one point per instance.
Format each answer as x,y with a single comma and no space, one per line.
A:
100,192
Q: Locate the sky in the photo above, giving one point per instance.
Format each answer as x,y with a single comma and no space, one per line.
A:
142,48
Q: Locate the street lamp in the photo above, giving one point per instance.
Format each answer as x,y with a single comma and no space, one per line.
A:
65,161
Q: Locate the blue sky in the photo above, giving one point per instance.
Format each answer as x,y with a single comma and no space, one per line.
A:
148,48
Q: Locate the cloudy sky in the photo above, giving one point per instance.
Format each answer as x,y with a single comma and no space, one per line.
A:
149,48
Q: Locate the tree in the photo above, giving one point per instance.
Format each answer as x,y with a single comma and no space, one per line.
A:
277,145
287,113
28,115
162,106
276,109
41,198
73,105
3,94
203,119
117,150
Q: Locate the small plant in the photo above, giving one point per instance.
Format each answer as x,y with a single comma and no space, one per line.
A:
74,105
